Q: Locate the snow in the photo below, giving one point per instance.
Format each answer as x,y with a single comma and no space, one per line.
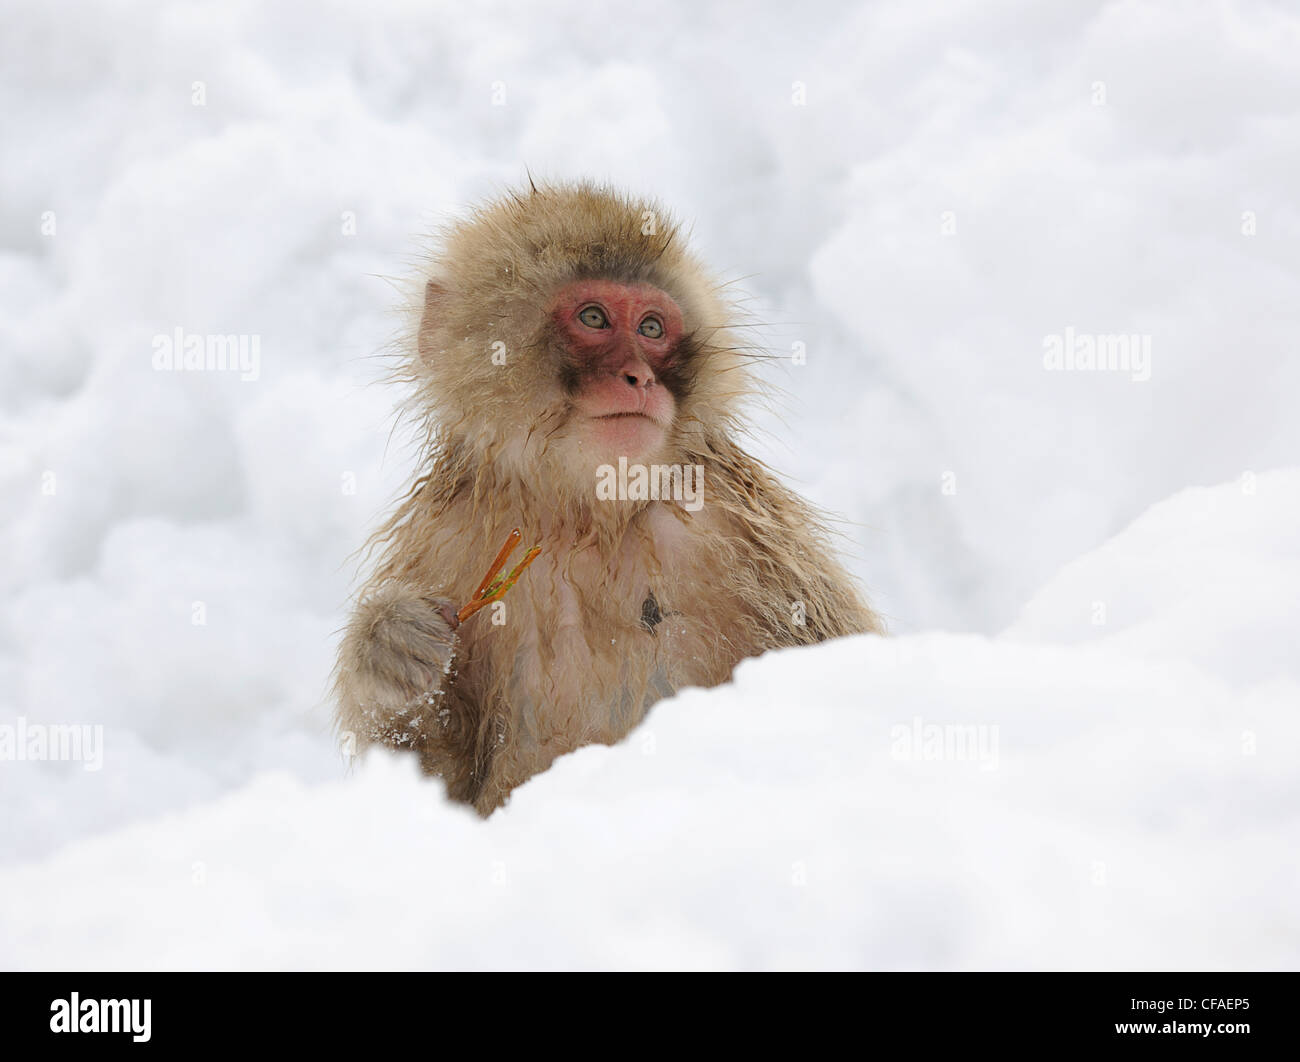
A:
1077,751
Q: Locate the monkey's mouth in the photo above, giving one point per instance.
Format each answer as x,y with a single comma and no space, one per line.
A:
620,416
630,421
632,434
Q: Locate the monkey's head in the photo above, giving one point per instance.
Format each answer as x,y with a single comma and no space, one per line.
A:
565,327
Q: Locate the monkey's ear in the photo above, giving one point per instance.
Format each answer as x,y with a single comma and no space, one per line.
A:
435,300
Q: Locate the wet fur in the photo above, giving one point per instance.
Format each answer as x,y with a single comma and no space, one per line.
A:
575,661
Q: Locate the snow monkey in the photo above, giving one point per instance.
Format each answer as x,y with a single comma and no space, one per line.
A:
576,374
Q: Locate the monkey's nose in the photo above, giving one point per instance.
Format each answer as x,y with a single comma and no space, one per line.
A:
637,374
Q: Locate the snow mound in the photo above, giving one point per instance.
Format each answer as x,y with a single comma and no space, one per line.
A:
1068,795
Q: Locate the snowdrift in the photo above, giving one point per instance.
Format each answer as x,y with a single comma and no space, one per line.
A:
1073,794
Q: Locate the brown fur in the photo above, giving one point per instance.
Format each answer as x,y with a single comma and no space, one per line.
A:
628,601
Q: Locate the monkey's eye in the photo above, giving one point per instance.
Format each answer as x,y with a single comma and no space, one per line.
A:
652,328
593,317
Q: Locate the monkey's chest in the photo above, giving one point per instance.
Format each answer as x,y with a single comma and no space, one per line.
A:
605,642
589,675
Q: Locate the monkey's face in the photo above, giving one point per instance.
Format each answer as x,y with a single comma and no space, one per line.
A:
622,350
559,332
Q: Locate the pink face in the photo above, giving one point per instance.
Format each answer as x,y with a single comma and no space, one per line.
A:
622,343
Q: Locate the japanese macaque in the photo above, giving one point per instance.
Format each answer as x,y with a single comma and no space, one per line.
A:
578,375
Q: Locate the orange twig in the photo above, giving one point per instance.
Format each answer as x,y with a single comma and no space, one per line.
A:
512,540
493,589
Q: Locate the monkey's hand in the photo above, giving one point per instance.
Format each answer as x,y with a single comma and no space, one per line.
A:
395,656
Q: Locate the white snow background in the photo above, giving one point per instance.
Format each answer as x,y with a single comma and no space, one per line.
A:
1096,575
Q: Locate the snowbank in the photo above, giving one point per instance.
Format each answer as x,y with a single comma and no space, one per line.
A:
931,801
